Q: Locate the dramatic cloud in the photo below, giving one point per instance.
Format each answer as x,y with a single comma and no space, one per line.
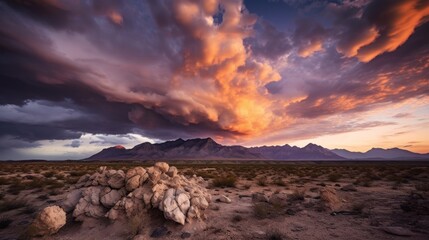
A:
309,37
383,27
121,70
269,42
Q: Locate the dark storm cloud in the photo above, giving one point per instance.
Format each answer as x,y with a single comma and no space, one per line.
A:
111,59
30,132
269,42
74,144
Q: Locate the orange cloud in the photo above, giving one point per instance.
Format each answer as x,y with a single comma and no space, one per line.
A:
115,17
218,82
392,22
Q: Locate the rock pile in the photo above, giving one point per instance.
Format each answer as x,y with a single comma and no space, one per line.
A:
115,194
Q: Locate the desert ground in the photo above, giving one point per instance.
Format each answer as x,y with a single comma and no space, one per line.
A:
269,200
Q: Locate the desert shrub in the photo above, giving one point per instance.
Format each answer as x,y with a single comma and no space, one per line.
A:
297,195
71,180
4,181
262,210
275,234
334,177
43,197
422,186
396,185
279,182
237,218
358,207
77,173
29,209
60,176
54,184
9,205
5,222
262,181
228,181
49,174
365,182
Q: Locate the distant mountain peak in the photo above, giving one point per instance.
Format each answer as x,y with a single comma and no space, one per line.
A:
119,147
381,153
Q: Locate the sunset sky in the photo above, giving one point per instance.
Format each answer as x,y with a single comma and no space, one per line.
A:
80,76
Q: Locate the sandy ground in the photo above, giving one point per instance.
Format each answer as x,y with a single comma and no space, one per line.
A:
379,204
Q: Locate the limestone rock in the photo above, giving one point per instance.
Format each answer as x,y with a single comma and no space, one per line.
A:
199,202
109,196
183,201
172,210
117,180
172,171
154,174
133,183
135,171
71,200
224,199
48,221
193,212
162,166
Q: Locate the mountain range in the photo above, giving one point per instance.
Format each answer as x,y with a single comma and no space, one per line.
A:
208,149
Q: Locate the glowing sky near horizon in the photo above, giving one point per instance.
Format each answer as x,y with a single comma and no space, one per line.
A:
79,76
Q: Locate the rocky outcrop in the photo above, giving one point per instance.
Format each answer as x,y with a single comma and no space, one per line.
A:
115,194
48,221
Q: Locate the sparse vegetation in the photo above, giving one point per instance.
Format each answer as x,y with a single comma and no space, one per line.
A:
49,174
275,234
334,177
262,181
279,182
29,209
422,186
297,195
237,218
358,208
9,205
221,182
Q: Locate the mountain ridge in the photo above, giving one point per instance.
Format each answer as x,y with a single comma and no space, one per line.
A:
208,149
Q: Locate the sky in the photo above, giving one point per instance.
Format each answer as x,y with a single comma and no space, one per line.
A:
80,76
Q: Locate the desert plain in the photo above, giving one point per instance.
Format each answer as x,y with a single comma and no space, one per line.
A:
264,200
